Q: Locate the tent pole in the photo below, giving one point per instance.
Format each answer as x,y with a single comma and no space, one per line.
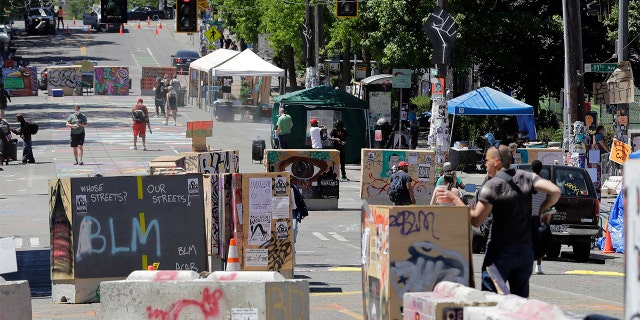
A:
453,123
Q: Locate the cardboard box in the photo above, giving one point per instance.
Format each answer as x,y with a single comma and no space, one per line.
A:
411,249
377,167
172,164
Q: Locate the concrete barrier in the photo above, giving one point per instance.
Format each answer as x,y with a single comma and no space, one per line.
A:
221,297
447,301
245,275
515,307
163,275
15,300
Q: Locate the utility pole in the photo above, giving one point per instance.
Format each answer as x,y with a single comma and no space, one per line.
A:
622,131
573,85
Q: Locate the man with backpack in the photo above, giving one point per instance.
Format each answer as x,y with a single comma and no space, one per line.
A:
25,131
140,116
400,190
507,195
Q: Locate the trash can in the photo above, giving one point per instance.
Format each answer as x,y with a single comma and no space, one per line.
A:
382,130
181,97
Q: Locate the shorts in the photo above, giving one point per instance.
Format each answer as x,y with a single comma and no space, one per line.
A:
139,129
77,140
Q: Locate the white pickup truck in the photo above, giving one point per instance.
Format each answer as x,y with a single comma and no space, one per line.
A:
91,18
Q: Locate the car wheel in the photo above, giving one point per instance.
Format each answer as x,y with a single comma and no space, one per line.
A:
581,251
553,251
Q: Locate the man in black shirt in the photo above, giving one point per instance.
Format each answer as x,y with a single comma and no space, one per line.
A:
507,194
338,138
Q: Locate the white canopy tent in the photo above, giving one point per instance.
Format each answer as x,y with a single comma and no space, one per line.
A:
247,63
228,63
202,66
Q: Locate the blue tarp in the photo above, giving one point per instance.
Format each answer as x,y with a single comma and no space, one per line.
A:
616,219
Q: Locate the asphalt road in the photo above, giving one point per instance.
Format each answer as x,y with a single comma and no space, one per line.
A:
328,247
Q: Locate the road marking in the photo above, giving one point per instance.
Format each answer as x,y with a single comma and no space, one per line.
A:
346,269
152,56
337,236
320,236
318,294
83,51
596,273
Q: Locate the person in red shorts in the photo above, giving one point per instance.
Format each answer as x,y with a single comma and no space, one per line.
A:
140,116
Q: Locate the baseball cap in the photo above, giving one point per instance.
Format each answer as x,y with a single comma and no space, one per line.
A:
313,121
403,164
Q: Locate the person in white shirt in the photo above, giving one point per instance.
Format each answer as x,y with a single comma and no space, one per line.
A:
316,134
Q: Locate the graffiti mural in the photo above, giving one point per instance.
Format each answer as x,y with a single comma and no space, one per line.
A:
67,78
113,81
21,82
378,165
314,172
411,250
212,162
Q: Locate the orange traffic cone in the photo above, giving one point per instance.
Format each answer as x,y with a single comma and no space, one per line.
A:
88,29
148,21
121,31
233,262
156,31
138,27
160,25
68,31
608,245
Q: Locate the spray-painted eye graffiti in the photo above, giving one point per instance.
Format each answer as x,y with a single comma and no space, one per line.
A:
302,169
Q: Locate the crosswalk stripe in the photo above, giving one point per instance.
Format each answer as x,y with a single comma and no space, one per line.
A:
337,236
320,236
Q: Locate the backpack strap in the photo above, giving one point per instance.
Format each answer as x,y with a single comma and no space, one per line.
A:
505,176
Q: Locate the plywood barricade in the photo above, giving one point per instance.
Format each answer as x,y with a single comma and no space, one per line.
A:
314,171
103,228
377,167
411,249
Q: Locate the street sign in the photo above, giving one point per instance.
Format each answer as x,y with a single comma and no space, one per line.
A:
401,78
600,67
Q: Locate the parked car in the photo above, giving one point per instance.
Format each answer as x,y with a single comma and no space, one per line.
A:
576,221
40,20
183,58
144,13
91,17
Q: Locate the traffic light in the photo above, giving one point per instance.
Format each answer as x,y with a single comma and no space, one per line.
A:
186,16
346,8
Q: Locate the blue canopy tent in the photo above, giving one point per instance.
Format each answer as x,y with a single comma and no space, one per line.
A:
489,102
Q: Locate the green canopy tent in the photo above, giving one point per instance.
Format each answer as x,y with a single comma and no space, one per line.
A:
354,114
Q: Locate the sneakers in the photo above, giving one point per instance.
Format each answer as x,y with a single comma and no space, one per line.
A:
165,123
344,179
75,164
144,148
133,148
539,269
81,163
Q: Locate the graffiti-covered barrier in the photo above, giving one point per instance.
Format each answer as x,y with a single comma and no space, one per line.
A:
103,228
16,299
379,164
263,224
211,162
446,301
224,296
314,171
411,249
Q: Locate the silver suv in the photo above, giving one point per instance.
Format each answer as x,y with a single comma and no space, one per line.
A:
40,20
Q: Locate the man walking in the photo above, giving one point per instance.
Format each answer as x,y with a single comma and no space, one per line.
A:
140,116
338,137
4,96
414,128
283,128
161,96
507,194
401,186
25,133
77,121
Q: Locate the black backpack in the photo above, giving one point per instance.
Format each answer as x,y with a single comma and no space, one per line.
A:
138,115
33,127
396,188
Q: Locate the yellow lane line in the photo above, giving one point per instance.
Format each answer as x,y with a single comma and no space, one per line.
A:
596,273
342,269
